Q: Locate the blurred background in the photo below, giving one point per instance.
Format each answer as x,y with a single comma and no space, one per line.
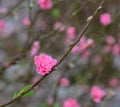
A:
27,29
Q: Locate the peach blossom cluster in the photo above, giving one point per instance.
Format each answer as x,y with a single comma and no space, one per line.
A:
82,47
111,45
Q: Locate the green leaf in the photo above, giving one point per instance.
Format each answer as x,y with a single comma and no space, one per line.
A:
55,12
26,88
15,95
30,93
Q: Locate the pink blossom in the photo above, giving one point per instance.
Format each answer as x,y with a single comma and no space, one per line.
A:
59,26
79,48
64,81
44,63
97,94
26,22
35,48
85,88
83,46
71,102
110,40
84,43
107,48
45,4
86,54
3,10
2,25
113,82
50,101
97,59
71,32
90,42
105,19
36,43
33,51
76,50
82,40
116,49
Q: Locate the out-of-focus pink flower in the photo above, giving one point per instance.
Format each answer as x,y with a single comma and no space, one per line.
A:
35,48
105,19
82,47
86,54
45,4
44,63
70,35
33,51
79,48
2,25
97,59
97,94
110,40
71,102
50,101
76,50
90,42
83,40
26,22
107,48
59,26
85,88
3,10
116,49
113,82
71,32
36,43
64,81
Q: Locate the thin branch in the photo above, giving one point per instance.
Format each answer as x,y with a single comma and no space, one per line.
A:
62,58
